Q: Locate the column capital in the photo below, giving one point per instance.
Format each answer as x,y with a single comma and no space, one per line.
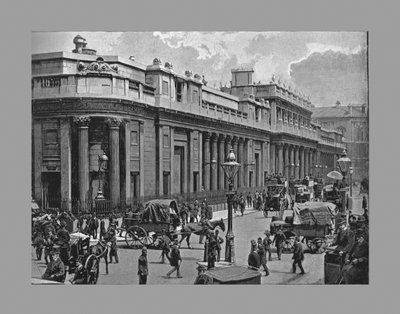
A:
240,140
113,122
82,121
206,135
280,145
221,137
234,140
228,138
214,137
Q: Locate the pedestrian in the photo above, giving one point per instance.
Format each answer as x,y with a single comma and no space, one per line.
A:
165,246
254,259
298,256
345,238
80,275
176,260
63,239
48,247
242,204
38,244
263,256
267,244
112,237
364,203
194,213
103,230
279,240
55,270
212,250
219,242
143,270
249,200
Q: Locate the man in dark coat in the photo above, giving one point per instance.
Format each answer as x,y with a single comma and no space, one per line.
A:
143,270
176,260
355,270
219,242
279,240
212,250
267,244
112,237
63,239
80,275
298,255
55,270
254,259
165,246
263,256
93,225
242,204
345,238
365,207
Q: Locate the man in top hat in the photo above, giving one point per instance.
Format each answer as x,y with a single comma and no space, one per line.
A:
165,246
63,239
254,260
345,238
143,270
112,237
176,260
55,270
355,270
267,244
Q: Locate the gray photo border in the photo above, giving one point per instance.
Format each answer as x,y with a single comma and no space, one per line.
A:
20,18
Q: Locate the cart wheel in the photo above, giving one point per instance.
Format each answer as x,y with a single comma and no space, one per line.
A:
288,245
92,268
148,240
134,237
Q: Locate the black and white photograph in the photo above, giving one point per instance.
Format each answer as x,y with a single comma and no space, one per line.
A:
200,158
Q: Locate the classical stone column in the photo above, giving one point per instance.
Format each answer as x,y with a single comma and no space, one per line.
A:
228,145
83,154
160,158
280,159
206,151
245,162
302,163
296,163
235,151
272,160
306,162
114,123
221,159
37,159
141,161
66,164
190,160
239,159
200,155
287,162
214,156
291,161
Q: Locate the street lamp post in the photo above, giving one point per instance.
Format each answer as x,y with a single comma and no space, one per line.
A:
102,159
344,164
230,168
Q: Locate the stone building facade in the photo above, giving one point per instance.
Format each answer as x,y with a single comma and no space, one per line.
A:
352,122
163,133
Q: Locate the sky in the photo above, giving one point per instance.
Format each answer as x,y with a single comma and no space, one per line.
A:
328,66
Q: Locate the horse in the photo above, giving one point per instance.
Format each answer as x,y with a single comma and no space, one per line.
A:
101,249
198,229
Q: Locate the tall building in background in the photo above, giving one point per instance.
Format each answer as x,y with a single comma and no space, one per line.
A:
352,122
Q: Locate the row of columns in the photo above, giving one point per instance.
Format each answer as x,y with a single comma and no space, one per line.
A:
295,161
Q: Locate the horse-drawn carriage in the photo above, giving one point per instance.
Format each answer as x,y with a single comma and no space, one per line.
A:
144,229
81,257
311,221
302,193
276,199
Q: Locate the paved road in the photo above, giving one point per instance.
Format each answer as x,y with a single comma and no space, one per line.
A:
245,229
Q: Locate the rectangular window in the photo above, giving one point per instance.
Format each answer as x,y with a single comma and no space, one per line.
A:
51,137
134,138
165,88
166,178
195,96
166,140
179,89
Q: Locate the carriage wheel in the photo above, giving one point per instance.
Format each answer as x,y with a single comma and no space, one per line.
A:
92,268
134,237
148,240
288,244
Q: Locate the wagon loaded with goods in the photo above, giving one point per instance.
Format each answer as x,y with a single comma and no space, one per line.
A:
312,222
276,200
145,228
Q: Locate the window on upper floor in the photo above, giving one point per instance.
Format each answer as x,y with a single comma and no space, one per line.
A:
51,136
179,91
166,140
195,96
134,138
165,88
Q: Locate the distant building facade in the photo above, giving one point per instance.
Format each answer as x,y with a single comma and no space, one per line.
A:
352,122
164,134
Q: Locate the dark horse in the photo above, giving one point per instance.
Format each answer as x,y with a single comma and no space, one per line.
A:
101,249
199,229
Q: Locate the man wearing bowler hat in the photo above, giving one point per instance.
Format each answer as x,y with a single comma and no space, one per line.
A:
345,238
63,239
267,244
143,267
55,270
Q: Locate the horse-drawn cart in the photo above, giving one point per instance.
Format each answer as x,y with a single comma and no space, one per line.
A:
276,199
313,221
145,228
